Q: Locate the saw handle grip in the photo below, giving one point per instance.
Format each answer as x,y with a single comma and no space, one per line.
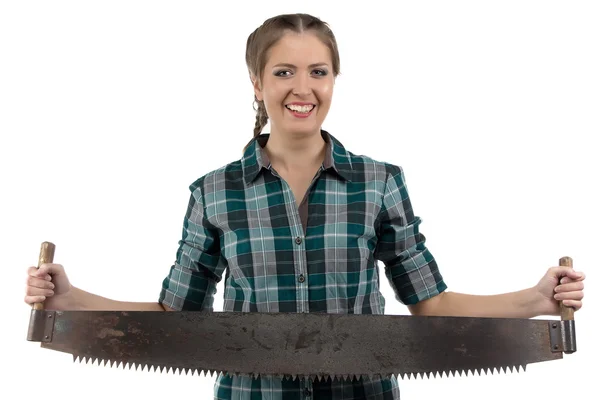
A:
46,257
566,313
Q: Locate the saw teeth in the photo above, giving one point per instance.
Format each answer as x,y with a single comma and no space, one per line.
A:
319,377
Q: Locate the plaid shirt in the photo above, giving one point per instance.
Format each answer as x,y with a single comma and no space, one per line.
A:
242,220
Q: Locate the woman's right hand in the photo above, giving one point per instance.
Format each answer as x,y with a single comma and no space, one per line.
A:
49,284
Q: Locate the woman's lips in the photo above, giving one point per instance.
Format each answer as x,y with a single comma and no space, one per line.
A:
300,114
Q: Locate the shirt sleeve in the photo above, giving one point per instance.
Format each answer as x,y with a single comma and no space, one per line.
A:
192,280
409,266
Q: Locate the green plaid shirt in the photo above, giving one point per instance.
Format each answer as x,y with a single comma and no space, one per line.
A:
242,221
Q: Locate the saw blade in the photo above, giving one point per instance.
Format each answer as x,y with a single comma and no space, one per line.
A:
314,346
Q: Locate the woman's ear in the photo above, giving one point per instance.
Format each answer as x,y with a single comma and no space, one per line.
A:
256,86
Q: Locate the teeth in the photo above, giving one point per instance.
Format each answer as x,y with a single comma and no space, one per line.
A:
448,373
301,109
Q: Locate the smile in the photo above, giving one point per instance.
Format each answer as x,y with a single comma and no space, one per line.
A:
300,111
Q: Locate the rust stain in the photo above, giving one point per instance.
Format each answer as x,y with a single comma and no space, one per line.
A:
104,332
134,330
307,339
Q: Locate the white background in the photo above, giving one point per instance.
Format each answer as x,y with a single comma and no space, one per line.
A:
109,110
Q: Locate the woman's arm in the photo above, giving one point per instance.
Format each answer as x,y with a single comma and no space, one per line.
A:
558,284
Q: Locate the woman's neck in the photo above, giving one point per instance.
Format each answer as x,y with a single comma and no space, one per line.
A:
288,152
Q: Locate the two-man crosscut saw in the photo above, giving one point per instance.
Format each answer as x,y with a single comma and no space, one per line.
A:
302,345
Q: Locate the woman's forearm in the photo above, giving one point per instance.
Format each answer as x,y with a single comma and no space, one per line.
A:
82,300
520,304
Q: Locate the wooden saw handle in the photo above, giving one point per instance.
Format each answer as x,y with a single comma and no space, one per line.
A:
566,313
46,257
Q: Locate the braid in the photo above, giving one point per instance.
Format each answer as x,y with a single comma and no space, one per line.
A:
261,118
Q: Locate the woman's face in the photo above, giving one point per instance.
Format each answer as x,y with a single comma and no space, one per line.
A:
297,84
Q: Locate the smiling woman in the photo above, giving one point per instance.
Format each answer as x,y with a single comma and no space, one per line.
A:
298,224
300,87
293,62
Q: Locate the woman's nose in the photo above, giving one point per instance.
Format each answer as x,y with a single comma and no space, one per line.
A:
302,86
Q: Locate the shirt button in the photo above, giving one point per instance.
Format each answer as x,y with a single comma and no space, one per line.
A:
301,278
298,240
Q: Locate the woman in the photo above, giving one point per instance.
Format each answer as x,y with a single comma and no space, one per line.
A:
298,224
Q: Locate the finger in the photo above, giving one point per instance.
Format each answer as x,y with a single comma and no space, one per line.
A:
36,291
575,275
39,283
34,271
560,273
569,287
34,299
47,270
578,278
576,304
576,295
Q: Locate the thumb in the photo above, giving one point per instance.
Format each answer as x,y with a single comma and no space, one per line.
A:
563,271
575,275
47,270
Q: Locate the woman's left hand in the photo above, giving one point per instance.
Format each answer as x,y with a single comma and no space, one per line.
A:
559,283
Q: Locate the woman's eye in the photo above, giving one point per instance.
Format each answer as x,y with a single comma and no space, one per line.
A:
285,73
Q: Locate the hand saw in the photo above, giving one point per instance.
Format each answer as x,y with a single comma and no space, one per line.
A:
312,346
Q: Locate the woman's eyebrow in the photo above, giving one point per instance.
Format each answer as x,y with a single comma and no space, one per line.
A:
293,66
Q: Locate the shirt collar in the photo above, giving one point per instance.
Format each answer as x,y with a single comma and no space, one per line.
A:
255,157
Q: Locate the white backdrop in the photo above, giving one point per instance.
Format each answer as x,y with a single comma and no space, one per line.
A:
109,110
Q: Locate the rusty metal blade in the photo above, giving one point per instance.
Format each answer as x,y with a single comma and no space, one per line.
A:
307,345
